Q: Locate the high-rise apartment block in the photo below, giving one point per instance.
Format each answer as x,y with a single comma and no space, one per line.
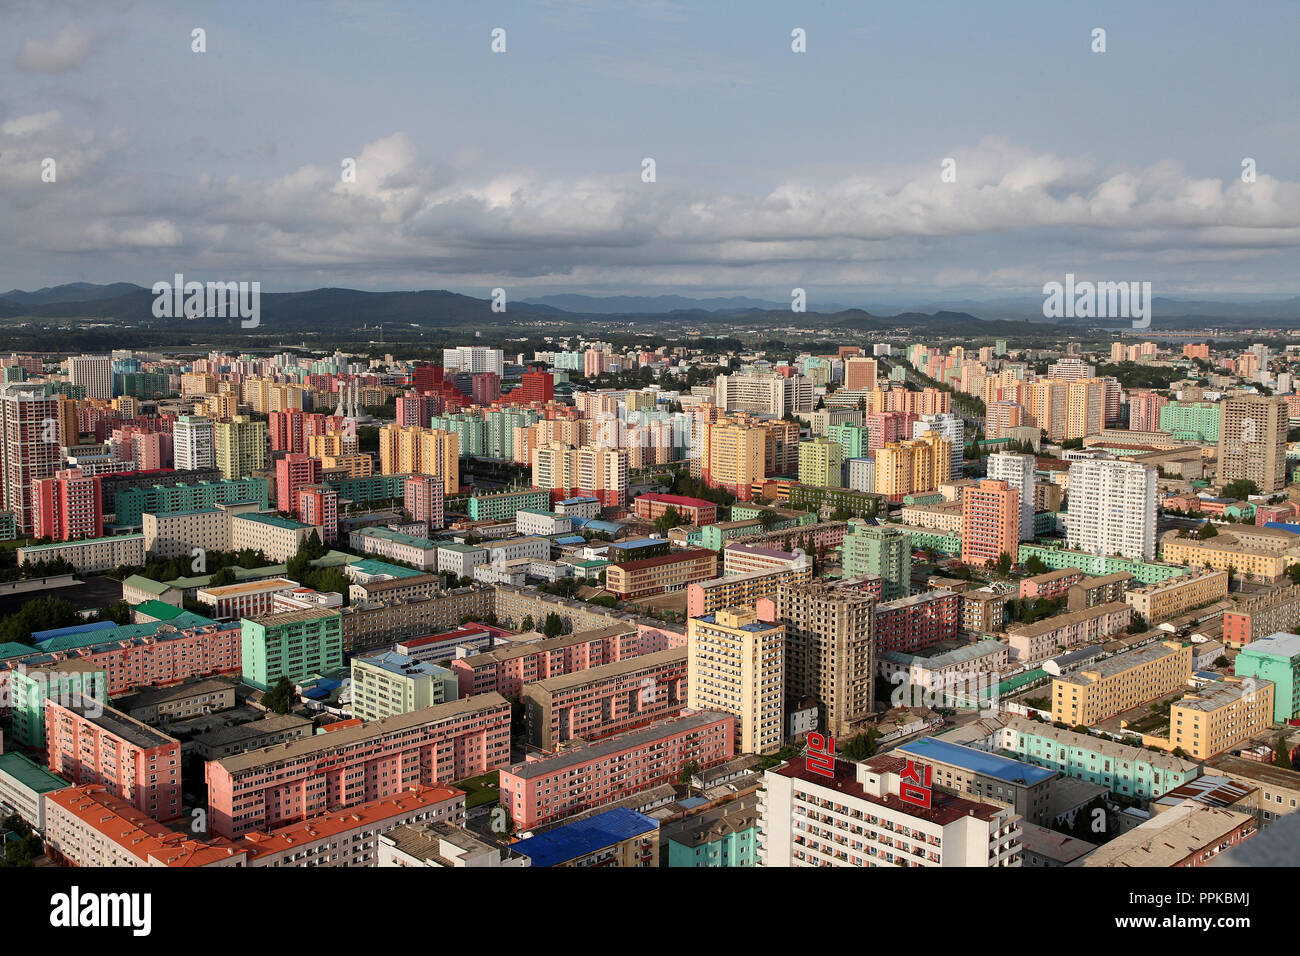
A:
1112,509
990,522
737,666
1252,441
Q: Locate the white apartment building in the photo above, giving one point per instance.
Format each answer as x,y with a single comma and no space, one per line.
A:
858,817
947,426
91,554
31,438
1112,509
1018,472
529,522
94,373
472,358
192,443
278,538
174,534
764,393
514,549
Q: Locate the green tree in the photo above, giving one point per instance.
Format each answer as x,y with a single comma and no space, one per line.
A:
1004,564
1207,530
119,612
670,519
1036,565
280,697
1281,755
223,577
861,746
768,519
1241,488
553,626
38,614
689,769
1137,624
527,623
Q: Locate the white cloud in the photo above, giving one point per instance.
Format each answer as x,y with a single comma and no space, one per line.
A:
33,123
66,50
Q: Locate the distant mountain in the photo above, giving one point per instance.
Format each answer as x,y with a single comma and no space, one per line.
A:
71,292
660,304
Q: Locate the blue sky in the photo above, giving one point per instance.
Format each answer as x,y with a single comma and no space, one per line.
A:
773,169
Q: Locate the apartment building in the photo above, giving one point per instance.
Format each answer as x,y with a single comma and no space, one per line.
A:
694,511
911,624
271,730
1252,441
239,446
737,666
179,701
1112,508
985,777
873,814
1165,599
1045,638
318,506
129,504
1279,789
90,554
387,684
397,546
990,522
414,450
1094,591
1131,772
175,534
291,644
353,765
604,700
705,597
983,610
552,788
68,506
1253,561
1213,718
668,572
1190,834
1052,584
829,649
732,455
1262,615
415,585
278,538
368,627
506,670
1275,659
92,743
1120,683
883,552
911,467
744,558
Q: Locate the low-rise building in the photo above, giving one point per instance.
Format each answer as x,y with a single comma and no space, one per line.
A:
443,846
668,572
178,701
1121,683
1218,716
270,730
23,786
987,777
619,837
387,684
552,788
246,599
1101,589
1045,638
1166,599
1191,834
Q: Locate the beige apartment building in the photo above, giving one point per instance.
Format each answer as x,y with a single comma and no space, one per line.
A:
1169,598
736,665
1120,683
1252,440
412,450
1220,715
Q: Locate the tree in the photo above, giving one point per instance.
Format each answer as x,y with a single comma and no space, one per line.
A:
1004,564
527,623
38,614
553,626
690,769
119,612
223,577
1281,756
768,519
862,746
1241,489
1138,624
670,519
1207,530
1222,661
1036,565
280,697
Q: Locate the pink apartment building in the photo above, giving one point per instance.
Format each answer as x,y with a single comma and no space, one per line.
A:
88,826
168,656
552,788
610,699
93,743
506,670
295,781
1050,584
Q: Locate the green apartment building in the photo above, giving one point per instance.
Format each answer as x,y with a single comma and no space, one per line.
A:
68,681
129,505
853,440
1144,572
884,552
820,461
1131,772
502,505
384,685
1275,658
1191,421
293,645
370,488
499,430
470,431
864,504
721,836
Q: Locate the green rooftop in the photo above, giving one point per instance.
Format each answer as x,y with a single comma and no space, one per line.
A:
14,649
141,583
122,632
30,774
159,610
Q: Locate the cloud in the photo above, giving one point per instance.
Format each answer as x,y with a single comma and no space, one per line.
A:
33,123
65,51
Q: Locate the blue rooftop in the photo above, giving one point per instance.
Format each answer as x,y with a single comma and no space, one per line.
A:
582,837
641,543
977,761
571,539
1293,528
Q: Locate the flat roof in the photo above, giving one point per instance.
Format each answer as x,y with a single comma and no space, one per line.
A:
376,566
293,617
1121,662
1055,621
273,520
612,745
249,587
606,671
584,837
675,557
1280,645
121,725
271,724
30,774
296,749
536,647
977,761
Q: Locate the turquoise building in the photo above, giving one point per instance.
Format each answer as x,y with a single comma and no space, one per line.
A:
1191,421
1275,658
130,504
722,836
66,682
1144,572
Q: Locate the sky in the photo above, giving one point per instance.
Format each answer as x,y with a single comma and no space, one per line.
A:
773,169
